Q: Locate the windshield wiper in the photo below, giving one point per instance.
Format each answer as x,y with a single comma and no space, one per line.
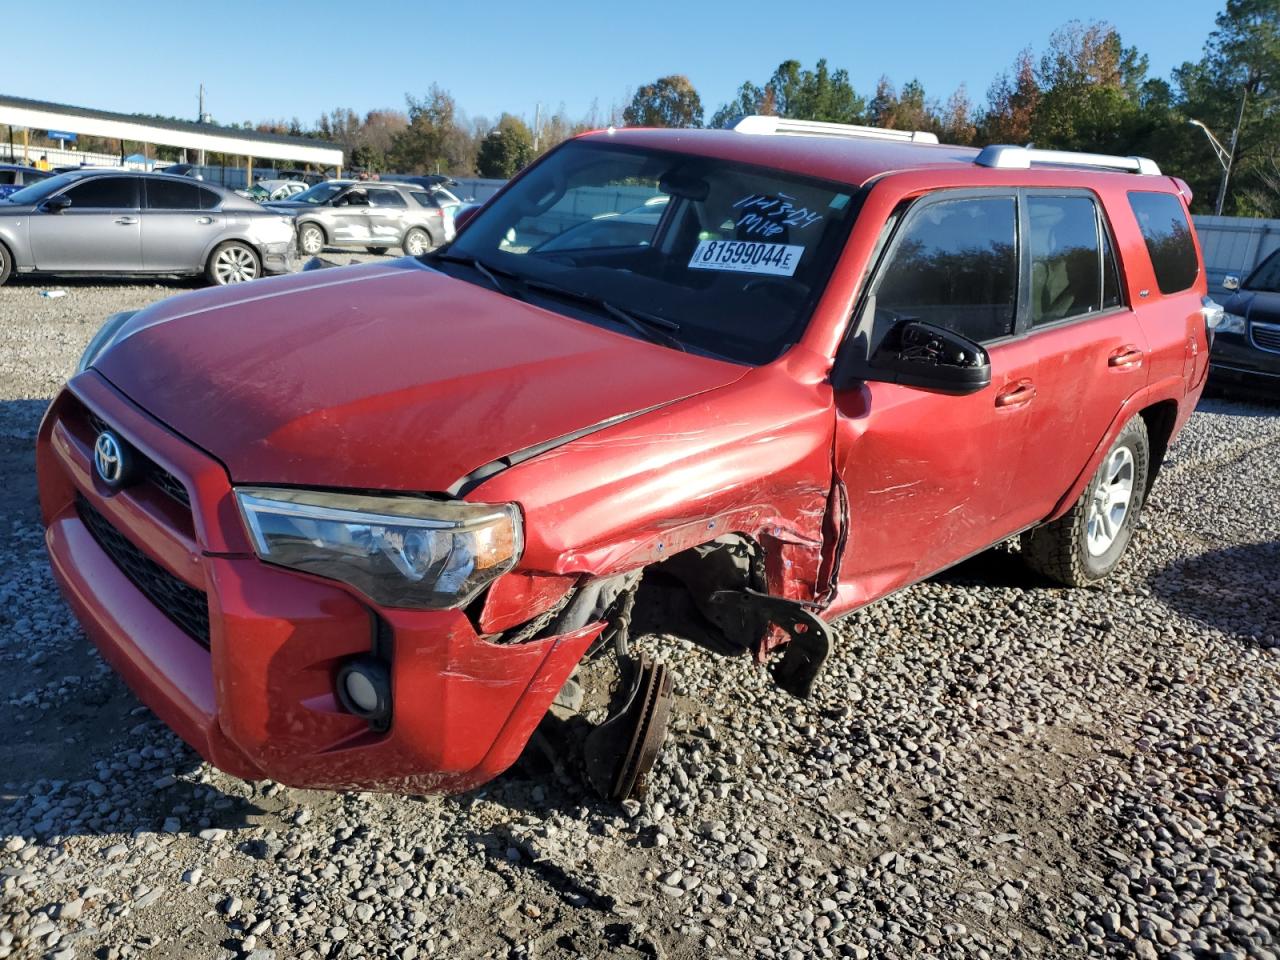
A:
652,328
479,266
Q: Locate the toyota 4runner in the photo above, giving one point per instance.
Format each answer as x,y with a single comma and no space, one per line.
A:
367,527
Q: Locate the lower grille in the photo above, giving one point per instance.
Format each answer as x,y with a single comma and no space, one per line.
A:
1266,336
183,604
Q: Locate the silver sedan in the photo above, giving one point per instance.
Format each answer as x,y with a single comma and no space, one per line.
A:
105,222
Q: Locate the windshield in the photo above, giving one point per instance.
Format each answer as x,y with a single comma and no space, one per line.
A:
730,257
38,191
1266,278
320,193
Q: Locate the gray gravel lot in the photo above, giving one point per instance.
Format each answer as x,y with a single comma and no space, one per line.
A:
991,767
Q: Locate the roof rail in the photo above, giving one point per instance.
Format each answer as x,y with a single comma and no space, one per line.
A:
758,123
1021,158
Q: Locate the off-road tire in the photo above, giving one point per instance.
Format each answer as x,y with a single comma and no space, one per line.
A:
1059,549
6,264
378,251
424,238
310,229
216,271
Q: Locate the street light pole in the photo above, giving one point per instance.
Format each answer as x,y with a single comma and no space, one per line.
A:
1226,156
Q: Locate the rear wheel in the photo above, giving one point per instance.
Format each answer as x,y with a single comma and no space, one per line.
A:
311,239
1087,543
6,264
233,262
377,250
416,242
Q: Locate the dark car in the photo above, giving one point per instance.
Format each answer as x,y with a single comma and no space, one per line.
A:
13,177
1246,345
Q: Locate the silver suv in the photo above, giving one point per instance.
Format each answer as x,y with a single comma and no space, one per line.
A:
369,214
102,222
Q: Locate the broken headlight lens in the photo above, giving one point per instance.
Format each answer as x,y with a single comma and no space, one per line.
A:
1231,323
398,551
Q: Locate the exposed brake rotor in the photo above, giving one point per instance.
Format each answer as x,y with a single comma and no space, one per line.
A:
620,752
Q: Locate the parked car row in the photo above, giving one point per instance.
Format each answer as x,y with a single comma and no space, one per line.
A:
111,221
13,177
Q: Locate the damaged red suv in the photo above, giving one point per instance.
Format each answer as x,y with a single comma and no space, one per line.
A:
366,527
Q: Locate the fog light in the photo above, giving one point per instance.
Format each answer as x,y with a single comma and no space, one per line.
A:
364,688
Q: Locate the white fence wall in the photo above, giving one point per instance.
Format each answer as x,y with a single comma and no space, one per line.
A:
1235,245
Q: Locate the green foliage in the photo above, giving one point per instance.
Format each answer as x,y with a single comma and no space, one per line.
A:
506,149
667,102
433,141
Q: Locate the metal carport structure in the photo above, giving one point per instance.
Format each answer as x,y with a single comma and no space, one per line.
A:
40,115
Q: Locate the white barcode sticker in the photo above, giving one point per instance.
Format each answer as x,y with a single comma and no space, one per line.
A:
747,256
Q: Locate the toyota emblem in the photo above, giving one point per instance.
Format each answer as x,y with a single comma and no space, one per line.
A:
108,458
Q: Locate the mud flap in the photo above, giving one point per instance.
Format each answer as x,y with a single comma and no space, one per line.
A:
619,753
809,641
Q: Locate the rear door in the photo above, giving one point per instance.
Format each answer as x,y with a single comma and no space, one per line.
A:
1092,352
100,231
386,212
179,222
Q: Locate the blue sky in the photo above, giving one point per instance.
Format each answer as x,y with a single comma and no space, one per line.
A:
503,55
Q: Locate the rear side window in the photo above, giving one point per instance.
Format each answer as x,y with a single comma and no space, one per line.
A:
1073,271
208,199
1168,235
424,199
8,177
955,265
105,193
172,195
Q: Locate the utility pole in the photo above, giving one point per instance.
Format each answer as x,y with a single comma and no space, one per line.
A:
537,126
1231,154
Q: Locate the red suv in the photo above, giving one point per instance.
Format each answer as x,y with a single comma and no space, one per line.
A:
366,527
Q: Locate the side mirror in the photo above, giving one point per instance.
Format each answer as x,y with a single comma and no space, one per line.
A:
919,354
57,204
465,214
1230,283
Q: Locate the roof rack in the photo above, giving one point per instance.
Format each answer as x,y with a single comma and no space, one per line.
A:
760,124
1021,158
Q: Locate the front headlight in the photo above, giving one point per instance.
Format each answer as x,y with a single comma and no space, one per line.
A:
399,551
104,338
1231,323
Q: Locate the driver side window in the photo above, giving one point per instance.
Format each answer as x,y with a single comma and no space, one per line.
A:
955,265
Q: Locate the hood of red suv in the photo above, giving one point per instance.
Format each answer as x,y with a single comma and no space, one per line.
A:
386,376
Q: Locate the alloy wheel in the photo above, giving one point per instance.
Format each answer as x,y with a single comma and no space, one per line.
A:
1109,504
235,265
415,246
312,241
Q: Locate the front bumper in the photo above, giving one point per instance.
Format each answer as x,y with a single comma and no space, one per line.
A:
258,700
1237,359
280,257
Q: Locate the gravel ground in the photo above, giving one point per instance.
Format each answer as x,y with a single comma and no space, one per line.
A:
991,767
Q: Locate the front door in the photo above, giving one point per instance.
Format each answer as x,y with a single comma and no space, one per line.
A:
929,476
99,231
348,219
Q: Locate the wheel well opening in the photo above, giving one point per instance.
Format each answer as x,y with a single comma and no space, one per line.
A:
1159,418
